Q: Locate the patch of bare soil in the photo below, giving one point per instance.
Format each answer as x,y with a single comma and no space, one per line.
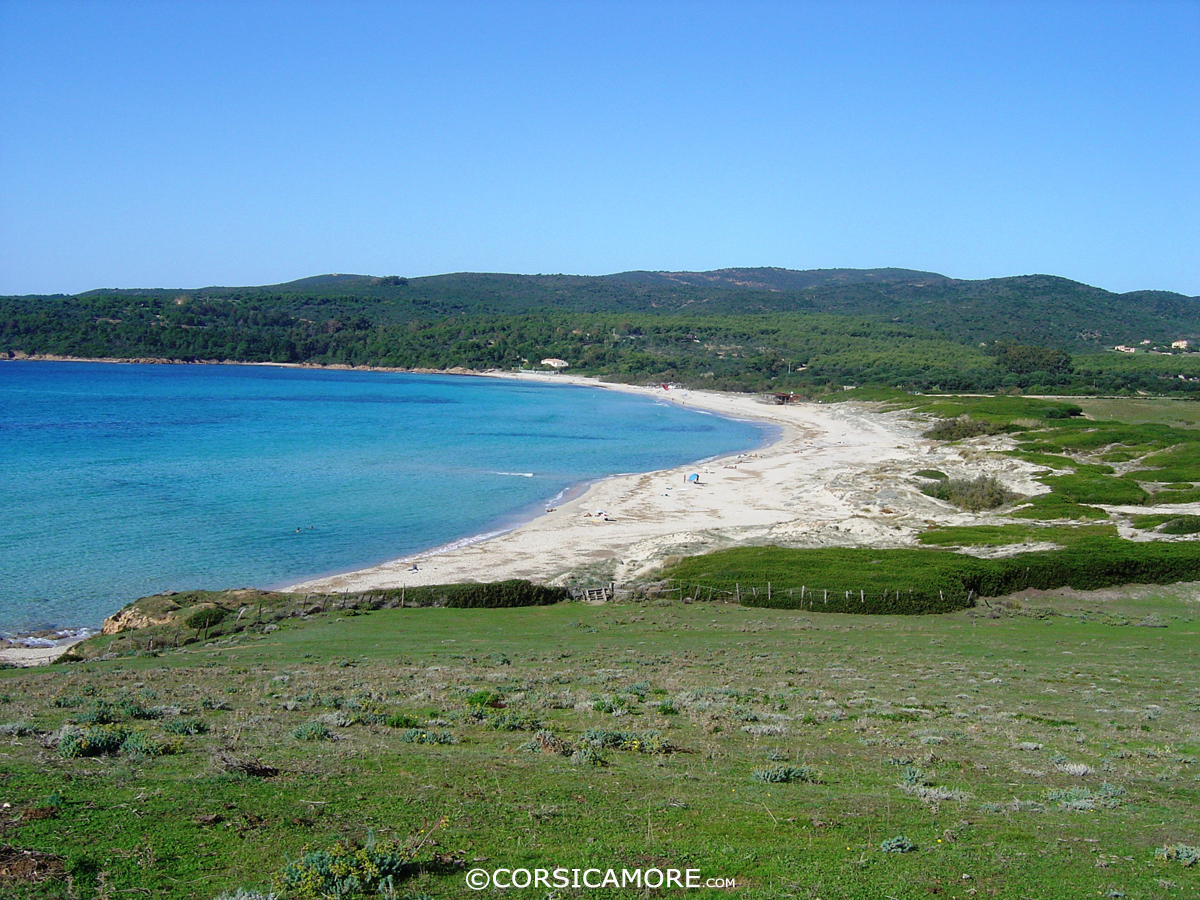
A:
18,865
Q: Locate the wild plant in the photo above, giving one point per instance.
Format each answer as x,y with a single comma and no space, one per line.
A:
420,736
96,740
312,731
1083,799
139,745
787,775
547,742
1183,854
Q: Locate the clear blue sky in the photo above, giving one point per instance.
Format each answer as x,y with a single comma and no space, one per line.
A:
182,144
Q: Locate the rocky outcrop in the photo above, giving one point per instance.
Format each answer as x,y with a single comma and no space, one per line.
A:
132,618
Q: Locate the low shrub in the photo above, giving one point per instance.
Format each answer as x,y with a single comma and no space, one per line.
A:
486,699
787,775
185,727
651,742
508,720
1183,854
898,844
205,618
492,595
348,870
984,492
589,755
17,729
95,740
312,731
548,742
1084,799
911,581
139,745
1182,525
420,736
135,710
99,712
399,720
962,428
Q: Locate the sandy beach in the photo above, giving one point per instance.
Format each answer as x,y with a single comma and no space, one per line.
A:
839,474
37,653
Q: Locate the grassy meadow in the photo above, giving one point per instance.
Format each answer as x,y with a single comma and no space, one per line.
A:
1046,747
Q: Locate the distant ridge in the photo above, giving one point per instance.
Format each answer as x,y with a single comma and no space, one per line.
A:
1037,309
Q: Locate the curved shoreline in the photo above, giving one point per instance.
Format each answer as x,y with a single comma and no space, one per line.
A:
575,496
834,475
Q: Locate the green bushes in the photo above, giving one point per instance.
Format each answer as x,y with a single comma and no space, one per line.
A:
898,844
205,618
1088,487
139,745
651,742
97,740
492,595
984,492
106,740
871,581
1183,854
346,870
962,427
312,731
1182,525
1054,506
420,736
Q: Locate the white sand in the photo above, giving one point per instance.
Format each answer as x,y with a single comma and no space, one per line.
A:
839,475
37,656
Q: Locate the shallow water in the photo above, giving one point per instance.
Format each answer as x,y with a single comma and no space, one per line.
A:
119,481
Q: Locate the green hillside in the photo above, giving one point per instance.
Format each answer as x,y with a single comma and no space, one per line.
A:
730,328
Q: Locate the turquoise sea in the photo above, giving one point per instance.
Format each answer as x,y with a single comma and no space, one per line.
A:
119,481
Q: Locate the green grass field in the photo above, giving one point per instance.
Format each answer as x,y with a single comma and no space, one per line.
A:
1042,748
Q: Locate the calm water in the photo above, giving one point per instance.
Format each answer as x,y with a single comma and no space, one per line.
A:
119,481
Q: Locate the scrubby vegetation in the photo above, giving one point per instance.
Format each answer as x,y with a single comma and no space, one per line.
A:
182,618
808,332
923,581
976,494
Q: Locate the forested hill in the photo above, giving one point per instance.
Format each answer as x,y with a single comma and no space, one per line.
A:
746,327
1037,309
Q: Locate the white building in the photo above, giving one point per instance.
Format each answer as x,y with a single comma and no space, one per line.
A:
1121,348
555,363
1179,345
